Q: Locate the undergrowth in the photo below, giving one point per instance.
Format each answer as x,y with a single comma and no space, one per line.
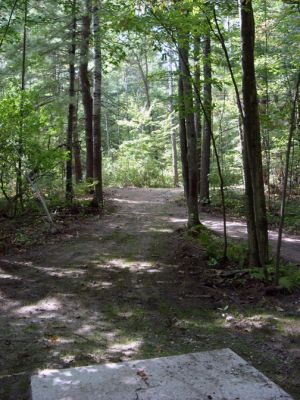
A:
235,205
237,256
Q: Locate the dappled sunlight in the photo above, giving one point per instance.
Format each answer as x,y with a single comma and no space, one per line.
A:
122,290
234,229
66,272
86,329
126,201
249,324
48,307
122,264
128,348
238,230
111,336
162,230
293,240
174,220
143,266
99,285
4,275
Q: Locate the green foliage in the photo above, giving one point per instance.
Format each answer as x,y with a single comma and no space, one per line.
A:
289,275
213,244
26,136
144,160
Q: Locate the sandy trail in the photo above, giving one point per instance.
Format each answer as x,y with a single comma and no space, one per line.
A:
115,288
236,229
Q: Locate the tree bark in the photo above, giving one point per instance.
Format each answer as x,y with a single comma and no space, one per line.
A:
182,135
251,229
144,76
254,259
72,107
76,140
251,129
98,192
173,131
197,112
285,180
87,99
19,169
207,124
191,140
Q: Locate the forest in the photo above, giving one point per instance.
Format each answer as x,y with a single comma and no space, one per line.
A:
149,183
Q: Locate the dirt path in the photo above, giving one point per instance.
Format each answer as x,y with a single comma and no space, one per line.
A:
290,249
128,285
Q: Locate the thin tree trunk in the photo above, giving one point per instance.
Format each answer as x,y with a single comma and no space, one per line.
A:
107,135
285,180
173,131
251,223
266,133
144,76
251,125
87,99
98,193
193,214
72,107
76,141
251,230
182,135
197,112
215,151
19,182
207,124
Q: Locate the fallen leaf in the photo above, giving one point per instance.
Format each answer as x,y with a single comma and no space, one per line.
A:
142,374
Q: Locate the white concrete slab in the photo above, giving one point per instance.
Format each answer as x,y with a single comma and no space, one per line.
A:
214,375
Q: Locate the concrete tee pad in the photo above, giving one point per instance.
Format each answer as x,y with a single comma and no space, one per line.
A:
211,375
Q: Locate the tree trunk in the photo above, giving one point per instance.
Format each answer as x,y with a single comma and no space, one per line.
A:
76,141
19,167
144,76
207,124
98,193
107,135
254,259
87,99
251,129
182,134
173,131
72,106
251,230
191,140
197,112
285,180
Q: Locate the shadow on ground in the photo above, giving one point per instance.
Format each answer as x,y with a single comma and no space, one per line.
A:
129,286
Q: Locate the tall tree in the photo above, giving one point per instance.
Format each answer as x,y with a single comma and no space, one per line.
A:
183,141
72,106
286,173
98,193
171,111
191,140
19,181
197,113
87,99
76,139
144,71
251,131
207,123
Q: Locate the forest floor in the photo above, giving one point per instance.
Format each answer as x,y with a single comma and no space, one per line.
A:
130,284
